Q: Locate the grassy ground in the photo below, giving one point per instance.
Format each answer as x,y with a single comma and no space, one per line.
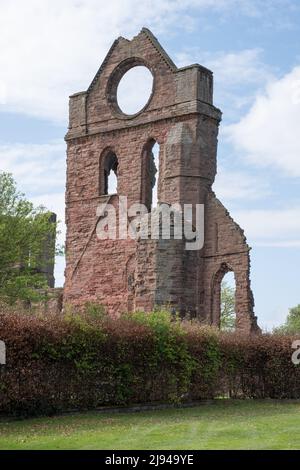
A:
224,425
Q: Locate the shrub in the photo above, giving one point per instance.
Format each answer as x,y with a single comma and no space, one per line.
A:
74,361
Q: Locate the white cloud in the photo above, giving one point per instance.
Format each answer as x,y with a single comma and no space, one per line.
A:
35,166
269,134
232,185
53,48
39,170
238,75
271,227
231,68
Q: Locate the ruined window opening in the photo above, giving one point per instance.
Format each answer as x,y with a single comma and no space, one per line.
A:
150,172
227,306
224,299
155,156
134,90
109,174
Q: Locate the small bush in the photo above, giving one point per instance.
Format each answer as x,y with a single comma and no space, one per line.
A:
84,361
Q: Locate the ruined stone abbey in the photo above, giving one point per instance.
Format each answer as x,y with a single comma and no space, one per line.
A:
139,274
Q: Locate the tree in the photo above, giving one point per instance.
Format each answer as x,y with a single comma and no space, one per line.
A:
292,323
227,322
24,231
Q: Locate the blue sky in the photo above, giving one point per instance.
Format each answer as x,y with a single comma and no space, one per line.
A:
51,49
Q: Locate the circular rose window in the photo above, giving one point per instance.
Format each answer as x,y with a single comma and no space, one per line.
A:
134,90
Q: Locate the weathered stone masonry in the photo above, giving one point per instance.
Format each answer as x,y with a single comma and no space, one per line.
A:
180,116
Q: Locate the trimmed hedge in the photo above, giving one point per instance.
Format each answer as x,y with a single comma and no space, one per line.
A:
58,363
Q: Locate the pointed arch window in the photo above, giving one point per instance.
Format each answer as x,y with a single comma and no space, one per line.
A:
150,174
108,183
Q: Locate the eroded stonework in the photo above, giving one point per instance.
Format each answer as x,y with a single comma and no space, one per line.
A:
126,275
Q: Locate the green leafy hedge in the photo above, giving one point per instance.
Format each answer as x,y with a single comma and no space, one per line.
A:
83,361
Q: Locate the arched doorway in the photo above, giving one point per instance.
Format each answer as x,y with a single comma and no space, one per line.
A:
108,177
223,298
227,306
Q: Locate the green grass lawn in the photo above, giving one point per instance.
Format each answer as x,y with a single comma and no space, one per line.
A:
223,425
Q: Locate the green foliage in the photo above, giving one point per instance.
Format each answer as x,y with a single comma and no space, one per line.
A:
24,230
95,310
165,330
170,347
227,307
83,360
292,323
213,357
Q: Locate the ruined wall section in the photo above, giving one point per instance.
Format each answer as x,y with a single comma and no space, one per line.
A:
96,270
126,275
160,269
225,250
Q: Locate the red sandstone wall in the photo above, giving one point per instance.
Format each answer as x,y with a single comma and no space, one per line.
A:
126,274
